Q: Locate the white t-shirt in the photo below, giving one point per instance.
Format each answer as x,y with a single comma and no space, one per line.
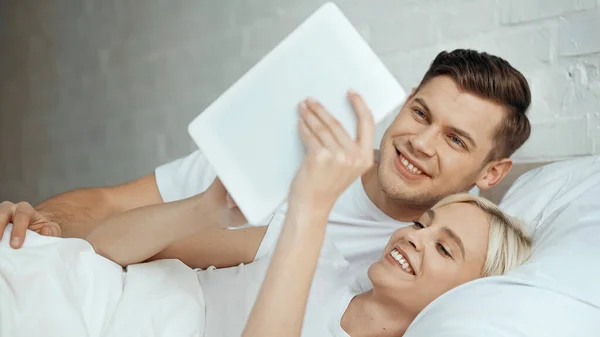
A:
357,227
230,293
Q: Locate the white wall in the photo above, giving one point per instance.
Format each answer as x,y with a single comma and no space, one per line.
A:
555,43
98,92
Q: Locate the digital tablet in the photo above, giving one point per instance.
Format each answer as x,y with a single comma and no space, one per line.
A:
249,134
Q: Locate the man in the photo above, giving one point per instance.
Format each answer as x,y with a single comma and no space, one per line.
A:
456,130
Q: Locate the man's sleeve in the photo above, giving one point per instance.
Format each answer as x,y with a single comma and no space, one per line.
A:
184,177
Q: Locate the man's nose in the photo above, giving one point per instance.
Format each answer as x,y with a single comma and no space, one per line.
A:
424,141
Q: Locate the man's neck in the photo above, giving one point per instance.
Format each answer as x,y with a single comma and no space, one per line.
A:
365,316
395,209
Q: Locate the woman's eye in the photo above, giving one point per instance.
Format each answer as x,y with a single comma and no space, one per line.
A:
418,225
443,250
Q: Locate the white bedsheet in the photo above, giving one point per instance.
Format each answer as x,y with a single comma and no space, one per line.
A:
61,287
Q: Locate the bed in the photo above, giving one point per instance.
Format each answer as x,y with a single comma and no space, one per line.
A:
71,291
496,193
554,294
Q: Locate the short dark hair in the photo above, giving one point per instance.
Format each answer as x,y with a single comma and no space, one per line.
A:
492,78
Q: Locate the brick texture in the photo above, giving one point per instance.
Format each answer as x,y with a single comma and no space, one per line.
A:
548,140
99,92
578,34
519,11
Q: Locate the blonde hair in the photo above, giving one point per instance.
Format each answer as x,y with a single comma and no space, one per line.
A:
508,244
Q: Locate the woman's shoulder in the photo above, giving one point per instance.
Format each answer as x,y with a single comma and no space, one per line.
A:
326,305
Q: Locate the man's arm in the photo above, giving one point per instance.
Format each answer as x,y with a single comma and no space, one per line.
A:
184,230
79,211
217,247
191,230
76,213
187,230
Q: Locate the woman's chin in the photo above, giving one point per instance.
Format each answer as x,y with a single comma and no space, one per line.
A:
385,277
389,286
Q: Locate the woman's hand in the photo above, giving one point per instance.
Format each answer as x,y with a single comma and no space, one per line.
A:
333,160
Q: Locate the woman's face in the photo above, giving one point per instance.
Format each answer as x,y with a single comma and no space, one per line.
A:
445,248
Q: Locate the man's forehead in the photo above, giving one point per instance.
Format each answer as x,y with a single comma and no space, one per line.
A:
440,87
458,108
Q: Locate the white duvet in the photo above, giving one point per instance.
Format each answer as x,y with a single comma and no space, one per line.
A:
61,287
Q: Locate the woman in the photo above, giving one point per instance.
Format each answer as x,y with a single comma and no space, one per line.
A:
308,289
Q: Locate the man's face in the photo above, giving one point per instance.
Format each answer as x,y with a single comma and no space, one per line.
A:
438,144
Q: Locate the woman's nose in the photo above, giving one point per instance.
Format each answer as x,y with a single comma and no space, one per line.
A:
415,240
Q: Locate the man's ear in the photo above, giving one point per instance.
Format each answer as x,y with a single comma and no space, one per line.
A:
493,173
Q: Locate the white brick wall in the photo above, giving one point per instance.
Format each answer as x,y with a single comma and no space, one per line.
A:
578,34
552,42
519,11
555,43
97,92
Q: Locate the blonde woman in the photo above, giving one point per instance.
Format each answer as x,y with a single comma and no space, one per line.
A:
460,239
290,280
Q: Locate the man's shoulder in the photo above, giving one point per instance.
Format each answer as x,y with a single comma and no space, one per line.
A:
184,177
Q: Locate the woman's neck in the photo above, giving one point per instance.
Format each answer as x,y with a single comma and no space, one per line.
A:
366,316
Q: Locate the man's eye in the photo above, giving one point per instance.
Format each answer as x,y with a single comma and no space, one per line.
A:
420,113
443,250
418,225
457,141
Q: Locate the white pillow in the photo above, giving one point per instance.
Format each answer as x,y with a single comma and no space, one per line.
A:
557,292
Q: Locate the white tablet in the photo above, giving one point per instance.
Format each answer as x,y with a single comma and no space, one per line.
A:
249,134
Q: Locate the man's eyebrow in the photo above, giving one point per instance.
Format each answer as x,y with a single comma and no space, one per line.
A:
422,103
456,239
458,131
464,134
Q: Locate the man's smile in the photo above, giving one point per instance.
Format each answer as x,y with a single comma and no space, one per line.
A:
408,168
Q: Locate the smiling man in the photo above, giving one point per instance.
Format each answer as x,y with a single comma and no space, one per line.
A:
456,130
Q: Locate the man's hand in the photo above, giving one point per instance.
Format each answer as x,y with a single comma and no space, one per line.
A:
230,215
23,216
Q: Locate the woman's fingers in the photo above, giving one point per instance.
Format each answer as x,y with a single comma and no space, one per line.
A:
317,127
334,160
308,137
338,132
366,125
324,122
320,130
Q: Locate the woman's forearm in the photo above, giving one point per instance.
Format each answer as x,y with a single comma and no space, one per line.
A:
141,233
284,292
333,162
